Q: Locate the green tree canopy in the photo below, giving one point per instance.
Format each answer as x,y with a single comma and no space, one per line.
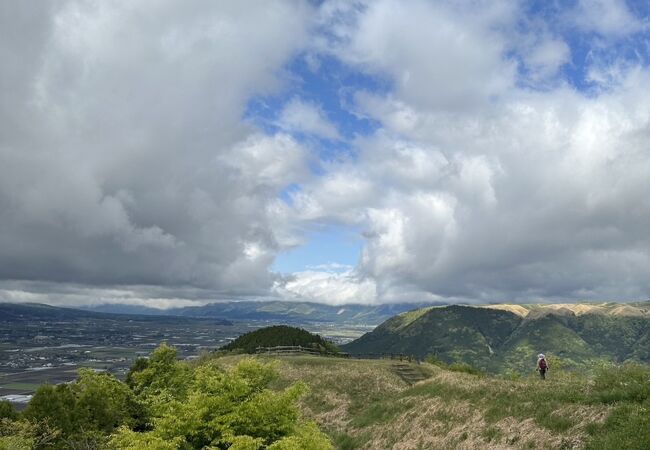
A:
280,335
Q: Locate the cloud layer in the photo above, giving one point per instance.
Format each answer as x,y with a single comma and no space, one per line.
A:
508,155
124,158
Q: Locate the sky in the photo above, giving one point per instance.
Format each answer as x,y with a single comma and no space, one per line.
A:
166,153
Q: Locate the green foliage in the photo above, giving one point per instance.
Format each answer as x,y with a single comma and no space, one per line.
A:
161,375
7,410
54,402
138,366
127,439
379,412
86,410
280,335
166,405
209,407
345,441
25,435
628,383
626,428
500,341
435,360
454,367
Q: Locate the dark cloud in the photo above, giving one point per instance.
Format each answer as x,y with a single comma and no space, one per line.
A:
122,142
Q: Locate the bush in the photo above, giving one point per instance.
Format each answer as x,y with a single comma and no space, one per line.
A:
87,410
214,408
7,410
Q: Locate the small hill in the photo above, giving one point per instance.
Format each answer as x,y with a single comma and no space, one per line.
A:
498,338
280,335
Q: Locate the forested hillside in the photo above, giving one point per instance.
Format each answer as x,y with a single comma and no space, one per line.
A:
280,335
500,339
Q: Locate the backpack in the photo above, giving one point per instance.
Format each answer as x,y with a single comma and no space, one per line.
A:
542,364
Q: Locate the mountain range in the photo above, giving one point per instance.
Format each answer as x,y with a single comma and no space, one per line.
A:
275,311
26,312
498,338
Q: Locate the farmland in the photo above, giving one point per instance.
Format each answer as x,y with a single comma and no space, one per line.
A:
50,345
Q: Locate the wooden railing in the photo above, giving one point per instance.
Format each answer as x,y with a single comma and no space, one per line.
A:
293,350
297,350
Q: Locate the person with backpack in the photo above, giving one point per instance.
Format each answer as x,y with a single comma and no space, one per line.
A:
542,365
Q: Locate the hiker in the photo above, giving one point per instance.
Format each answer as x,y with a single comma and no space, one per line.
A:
542,365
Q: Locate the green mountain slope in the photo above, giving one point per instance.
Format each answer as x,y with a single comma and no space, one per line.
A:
502,337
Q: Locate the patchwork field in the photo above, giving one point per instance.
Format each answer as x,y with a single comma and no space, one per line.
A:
41,344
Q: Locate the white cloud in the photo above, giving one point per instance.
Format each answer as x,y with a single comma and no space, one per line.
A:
607,17
331,267
327,287
459,56
538,196
546,57
124,158
125,162
304,117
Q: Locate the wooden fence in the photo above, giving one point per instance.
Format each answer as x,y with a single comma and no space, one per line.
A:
298,350
293,350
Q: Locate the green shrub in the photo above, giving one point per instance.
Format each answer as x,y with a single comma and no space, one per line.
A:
87,410
7,410
209,407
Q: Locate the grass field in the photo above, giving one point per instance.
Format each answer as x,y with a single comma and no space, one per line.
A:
27,387
365,404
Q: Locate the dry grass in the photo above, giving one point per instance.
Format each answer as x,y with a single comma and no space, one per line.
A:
364,404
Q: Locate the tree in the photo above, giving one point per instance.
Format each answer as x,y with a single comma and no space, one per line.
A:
221,409
7,410
87,410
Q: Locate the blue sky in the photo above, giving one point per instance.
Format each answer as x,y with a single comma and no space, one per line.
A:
331,84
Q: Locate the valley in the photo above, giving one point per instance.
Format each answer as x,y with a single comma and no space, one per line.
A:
43,344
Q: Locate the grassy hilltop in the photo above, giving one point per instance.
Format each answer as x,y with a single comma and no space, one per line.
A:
243,402
367,404
503,338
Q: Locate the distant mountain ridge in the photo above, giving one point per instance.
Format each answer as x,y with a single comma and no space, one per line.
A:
277,311
632,309
40,311
498,338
